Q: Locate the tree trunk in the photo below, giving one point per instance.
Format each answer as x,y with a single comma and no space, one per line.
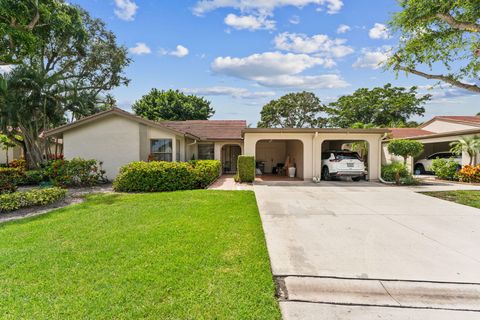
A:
33,149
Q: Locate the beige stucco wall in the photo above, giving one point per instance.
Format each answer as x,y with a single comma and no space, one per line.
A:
312,148
12,152
157,133
114,141
439,126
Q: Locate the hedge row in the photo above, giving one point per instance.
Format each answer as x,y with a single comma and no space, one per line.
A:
157,176
17,200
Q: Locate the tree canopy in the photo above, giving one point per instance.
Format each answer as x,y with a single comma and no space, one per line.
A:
172,105
26,26
63,76
405,148
382,107
438,35
293,110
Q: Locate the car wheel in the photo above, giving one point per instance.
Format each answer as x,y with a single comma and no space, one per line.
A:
356,179
420,168
326,174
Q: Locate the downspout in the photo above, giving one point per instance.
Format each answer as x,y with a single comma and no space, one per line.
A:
380,158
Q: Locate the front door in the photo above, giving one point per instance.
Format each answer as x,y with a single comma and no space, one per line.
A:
230,155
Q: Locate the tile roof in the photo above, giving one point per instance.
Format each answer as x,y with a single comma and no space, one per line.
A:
210,129
468,119
399,133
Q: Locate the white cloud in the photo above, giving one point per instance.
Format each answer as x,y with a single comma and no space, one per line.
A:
140,48
294,19
249,22
229,91
372,59
276,69
319,43
125,9
379,31
263,6
266,64
343,28
6,68
323,81
179,52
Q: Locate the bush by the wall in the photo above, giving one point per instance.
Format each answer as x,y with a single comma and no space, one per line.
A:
246,168
206,171
75,173
37,197
19,164
390,172
34,177
445,168
157,176
9,179
469,174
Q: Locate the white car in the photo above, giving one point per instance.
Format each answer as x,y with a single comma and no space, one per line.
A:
342,164
423,166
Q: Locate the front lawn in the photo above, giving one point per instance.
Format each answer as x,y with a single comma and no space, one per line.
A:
180,255
467,197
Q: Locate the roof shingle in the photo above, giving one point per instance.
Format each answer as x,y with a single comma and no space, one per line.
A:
210,129
399,133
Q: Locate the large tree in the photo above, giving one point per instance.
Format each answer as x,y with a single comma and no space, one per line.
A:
172,105
439,40
64,78
382,107
293,110
25,26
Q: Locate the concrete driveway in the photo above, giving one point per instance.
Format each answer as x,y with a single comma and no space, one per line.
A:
351,248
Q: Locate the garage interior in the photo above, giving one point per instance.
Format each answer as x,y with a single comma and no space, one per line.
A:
360,146
273,157
434,147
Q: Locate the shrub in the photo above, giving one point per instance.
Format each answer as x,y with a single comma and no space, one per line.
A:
9,179
445,169
391,172
469,174
409,181
37,197
18,164
206,171
157,176
75,173
405,148
34,177
246,168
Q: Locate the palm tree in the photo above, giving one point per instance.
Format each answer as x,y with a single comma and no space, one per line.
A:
469,144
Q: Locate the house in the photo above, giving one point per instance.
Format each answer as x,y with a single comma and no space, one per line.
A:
116,137
436,135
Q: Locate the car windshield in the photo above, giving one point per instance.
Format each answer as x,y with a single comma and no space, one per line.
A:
347,156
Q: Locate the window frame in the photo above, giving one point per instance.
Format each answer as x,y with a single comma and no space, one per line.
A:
162,154
212,153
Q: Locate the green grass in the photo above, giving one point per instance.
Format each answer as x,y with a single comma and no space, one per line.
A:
467,197
180,255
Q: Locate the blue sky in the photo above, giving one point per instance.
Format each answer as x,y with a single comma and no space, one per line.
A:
240,54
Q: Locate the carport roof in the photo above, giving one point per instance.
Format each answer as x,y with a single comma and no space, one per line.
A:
314,130
440,135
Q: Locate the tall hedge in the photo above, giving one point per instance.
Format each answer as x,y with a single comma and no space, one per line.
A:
246,168
157,176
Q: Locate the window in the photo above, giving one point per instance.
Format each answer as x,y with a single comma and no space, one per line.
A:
161,149
206,151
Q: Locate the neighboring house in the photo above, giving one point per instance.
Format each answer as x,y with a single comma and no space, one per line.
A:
13,153
116,137
436,135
